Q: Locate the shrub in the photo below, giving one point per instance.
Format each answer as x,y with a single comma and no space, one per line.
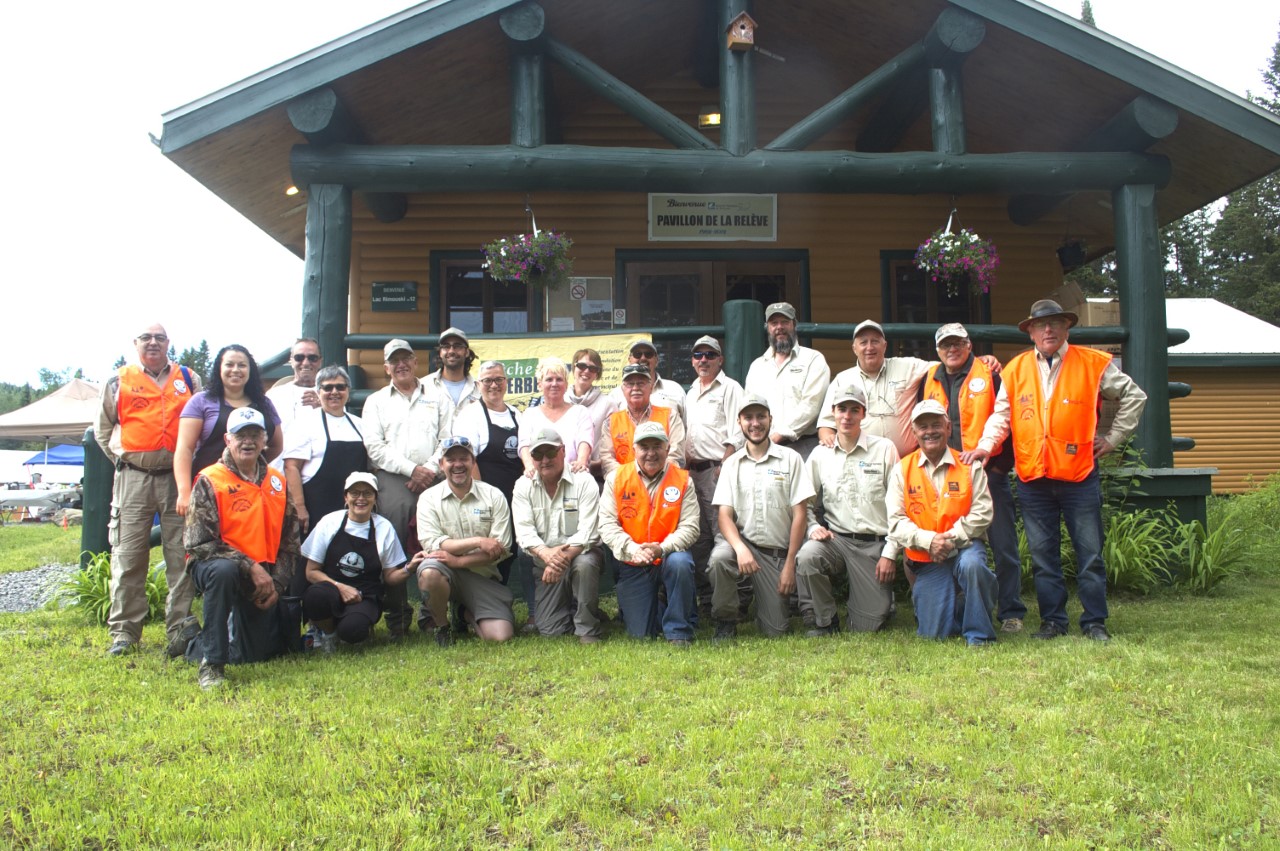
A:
89,589
1209,557
1137,548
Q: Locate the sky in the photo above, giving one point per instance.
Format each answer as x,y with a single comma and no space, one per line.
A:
150,244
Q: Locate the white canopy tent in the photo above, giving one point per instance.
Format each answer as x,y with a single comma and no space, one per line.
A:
60,417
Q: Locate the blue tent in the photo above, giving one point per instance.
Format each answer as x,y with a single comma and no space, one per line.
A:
67,454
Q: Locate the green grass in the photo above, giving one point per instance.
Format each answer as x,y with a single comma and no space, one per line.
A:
27,545
1166,738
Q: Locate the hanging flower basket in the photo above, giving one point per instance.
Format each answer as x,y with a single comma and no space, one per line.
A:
950,259
539,259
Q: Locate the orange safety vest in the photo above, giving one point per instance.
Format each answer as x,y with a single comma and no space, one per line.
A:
250,517
1054,438
929,509
148,414
646,523
623,431
977,399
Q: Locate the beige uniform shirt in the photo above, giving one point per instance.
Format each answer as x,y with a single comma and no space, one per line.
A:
106,427
969,528
676,434
891,394
620,543
795,389
1113,385
763,492
482,513
401,432
569,516
712,419
852,486
470,395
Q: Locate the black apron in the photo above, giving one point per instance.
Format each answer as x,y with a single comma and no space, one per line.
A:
354,561
500,463
210,452
323,492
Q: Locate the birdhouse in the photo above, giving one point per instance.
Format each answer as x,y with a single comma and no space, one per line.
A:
742,32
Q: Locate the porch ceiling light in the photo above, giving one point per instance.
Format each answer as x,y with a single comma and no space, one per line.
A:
709,116
291,191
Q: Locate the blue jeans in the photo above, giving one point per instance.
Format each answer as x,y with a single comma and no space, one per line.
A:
934,595
235,630
1002,537
637,590
1046,502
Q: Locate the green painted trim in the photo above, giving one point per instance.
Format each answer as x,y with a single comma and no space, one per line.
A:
320,67
1149,73
1225,361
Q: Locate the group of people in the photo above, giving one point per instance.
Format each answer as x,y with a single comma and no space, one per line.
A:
699,501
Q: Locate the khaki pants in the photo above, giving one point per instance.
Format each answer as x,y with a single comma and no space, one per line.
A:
869,599
773,611
136,498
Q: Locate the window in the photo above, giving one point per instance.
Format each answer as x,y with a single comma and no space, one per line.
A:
476,303
913,299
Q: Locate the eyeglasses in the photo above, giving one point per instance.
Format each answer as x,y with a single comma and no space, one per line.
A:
705,355
361,495
306,358
544,452
952,344
147,338
647,354
586,367
489,382
451,442
333,388
1046,324
461,347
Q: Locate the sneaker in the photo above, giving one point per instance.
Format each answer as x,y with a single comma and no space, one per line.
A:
187,631
326,642
529,628
819,631
725,631
427,623
980,642
679,642
1050,630
1011,625
444,636
1096,632
588,639
121,646
211,676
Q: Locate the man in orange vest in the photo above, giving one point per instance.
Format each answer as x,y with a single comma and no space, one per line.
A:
966,386
617,432
242,547
137,428
1049,405
649,520
941,508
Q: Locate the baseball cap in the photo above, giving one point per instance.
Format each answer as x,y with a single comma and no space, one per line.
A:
396,345
780,307
546,437
642,343
361,479
451,442
242,418
708,341
951,329
454,332
651,431
752,399
849,393
928,406
636,369
868,324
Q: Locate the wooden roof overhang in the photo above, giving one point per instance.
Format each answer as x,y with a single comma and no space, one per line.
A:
430,91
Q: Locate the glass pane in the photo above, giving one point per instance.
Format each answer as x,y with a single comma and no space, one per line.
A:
667,300
510,321
765,289
464,288
509,294
470,320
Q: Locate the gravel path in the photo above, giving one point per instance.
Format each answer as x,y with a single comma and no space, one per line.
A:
28,590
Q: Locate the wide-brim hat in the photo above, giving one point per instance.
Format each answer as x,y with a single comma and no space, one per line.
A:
1045,308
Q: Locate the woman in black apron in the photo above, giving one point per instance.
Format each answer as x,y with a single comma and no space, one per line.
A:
234,382
351,557
324,446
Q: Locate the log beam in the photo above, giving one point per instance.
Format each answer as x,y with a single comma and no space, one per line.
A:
423,168
954,35
630,101
1137,126
323,119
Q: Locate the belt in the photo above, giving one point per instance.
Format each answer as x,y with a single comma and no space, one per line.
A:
159,471
859,536
775,552
699,466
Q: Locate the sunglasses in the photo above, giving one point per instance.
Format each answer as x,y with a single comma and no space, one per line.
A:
451,442
705,356
586,367
544,452
333,388
306,359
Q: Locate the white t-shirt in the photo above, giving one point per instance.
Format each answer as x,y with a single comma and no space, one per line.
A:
304,438
322,534
288,401
470,423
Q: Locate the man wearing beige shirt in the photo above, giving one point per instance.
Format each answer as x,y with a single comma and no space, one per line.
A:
1048,405
137,429
940,510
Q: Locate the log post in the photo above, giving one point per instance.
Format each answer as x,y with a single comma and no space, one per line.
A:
327,273
525,25
946,110
744,336
1141,280
737,86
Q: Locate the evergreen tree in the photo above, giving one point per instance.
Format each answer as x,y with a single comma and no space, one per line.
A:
198,359
1086,14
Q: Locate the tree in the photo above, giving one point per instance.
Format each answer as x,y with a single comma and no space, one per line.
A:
1086,14
120,361
198,359
1186,247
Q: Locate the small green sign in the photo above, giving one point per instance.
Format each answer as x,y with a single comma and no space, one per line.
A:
395,296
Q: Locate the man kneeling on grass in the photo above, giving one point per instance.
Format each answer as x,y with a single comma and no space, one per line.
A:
941,508
465,529
241,539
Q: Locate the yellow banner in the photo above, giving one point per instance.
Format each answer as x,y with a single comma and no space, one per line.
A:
520,357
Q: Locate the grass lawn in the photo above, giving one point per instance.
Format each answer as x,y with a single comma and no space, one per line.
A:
1166,738
27,545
